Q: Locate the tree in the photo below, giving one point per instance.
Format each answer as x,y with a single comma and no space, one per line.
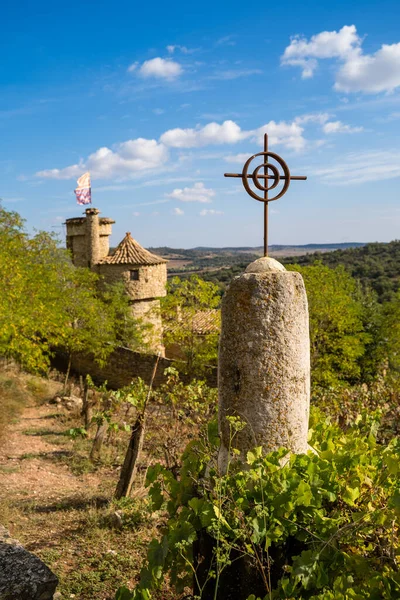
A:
186,299
337,334
391,332
47,303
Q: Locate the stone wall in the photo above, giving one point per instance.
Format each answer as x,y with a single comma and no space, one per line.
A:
122,366
77,245
78,239
151,282
149,312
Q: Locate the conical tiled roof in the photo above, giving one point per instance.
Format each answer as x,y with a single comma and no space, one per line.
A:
129,251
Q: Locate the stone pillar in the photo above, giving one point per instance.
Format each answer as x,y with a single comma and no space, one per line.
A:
264,360
93,236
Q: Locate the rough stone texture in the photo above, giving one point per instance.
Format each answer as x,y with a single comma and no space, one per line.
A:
264,360
149,311
93,236
144,293
151,282
87,238
77,239
264,264
72,403
23,576
121,367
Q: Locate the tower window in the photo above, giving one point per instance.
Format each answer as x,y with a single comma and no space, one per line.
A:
134,275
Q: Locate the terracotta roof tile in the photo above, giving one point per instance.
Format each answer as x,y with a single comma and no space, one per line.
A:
204,322
129,251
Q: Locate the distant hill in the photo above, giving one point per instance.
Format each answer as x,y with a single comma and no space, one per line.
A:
203,258
227,250
376,265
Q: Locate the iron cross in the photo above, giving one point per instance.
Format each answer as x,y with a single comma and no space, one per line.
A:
264,187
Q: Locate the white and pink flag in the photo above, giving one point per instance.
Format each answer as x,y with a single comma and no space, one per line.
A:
83,192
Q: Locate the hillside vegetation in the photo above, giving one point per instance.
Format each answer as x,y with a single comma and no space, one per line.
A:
375,265
183,261
47,303
121,488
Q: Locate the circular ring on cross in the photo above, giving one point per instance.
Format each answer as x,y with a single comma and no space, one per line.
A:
271,180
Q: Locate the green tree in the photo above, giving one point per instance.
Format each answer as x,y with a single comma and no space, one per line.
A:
48,303
391,333
186,300
337,335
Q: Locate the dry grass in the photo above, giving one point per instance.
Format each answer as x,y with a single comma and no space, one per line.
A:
59,504
13,399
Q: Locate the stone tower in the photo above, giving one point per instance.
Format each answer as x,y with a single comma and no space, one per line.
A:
144,274
88,238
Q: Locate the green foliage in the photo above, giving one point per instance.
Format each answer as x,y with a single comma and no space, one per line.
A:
77,432
184,301
47,303
337,507
195,403
375,265
380,397
391,332
337,335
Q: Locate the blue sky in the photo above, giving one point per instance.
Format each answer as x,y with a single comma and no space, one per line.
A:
159,99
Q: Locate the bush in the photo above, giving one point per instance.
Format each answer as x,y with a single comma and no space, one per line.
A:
316,526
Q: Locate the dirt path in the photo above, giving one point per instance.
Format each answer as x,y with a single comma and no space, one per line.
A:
29,468
59,505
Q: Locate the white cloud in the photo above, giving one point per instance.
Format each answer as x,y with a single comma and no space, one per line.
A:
136,214
178,211
212,133
133,67
237,158
362,167
205,212
128,159
67,173
158,111
124,161
320,118
327,44
287,134
369,73
173,47
163,68
339,127
198,193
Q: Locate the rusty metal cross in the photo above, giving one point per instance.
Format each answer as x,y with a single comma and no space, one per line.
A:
274,175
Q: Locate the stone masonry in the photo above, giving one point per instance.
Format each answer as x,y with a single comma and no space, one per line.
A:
144,274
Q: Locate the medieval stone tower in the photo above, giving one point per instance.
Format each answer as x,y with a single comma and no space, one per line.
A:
143,273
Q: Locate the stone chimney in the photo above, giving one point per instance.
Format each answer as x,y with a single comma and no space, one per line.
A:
93,236
88,238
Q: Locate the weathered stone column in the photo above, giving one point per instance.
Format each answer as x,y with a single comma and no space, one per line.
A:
264,360
93,235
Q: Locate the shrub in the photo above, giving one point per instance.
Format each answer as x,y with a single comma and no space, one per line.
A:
316,526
